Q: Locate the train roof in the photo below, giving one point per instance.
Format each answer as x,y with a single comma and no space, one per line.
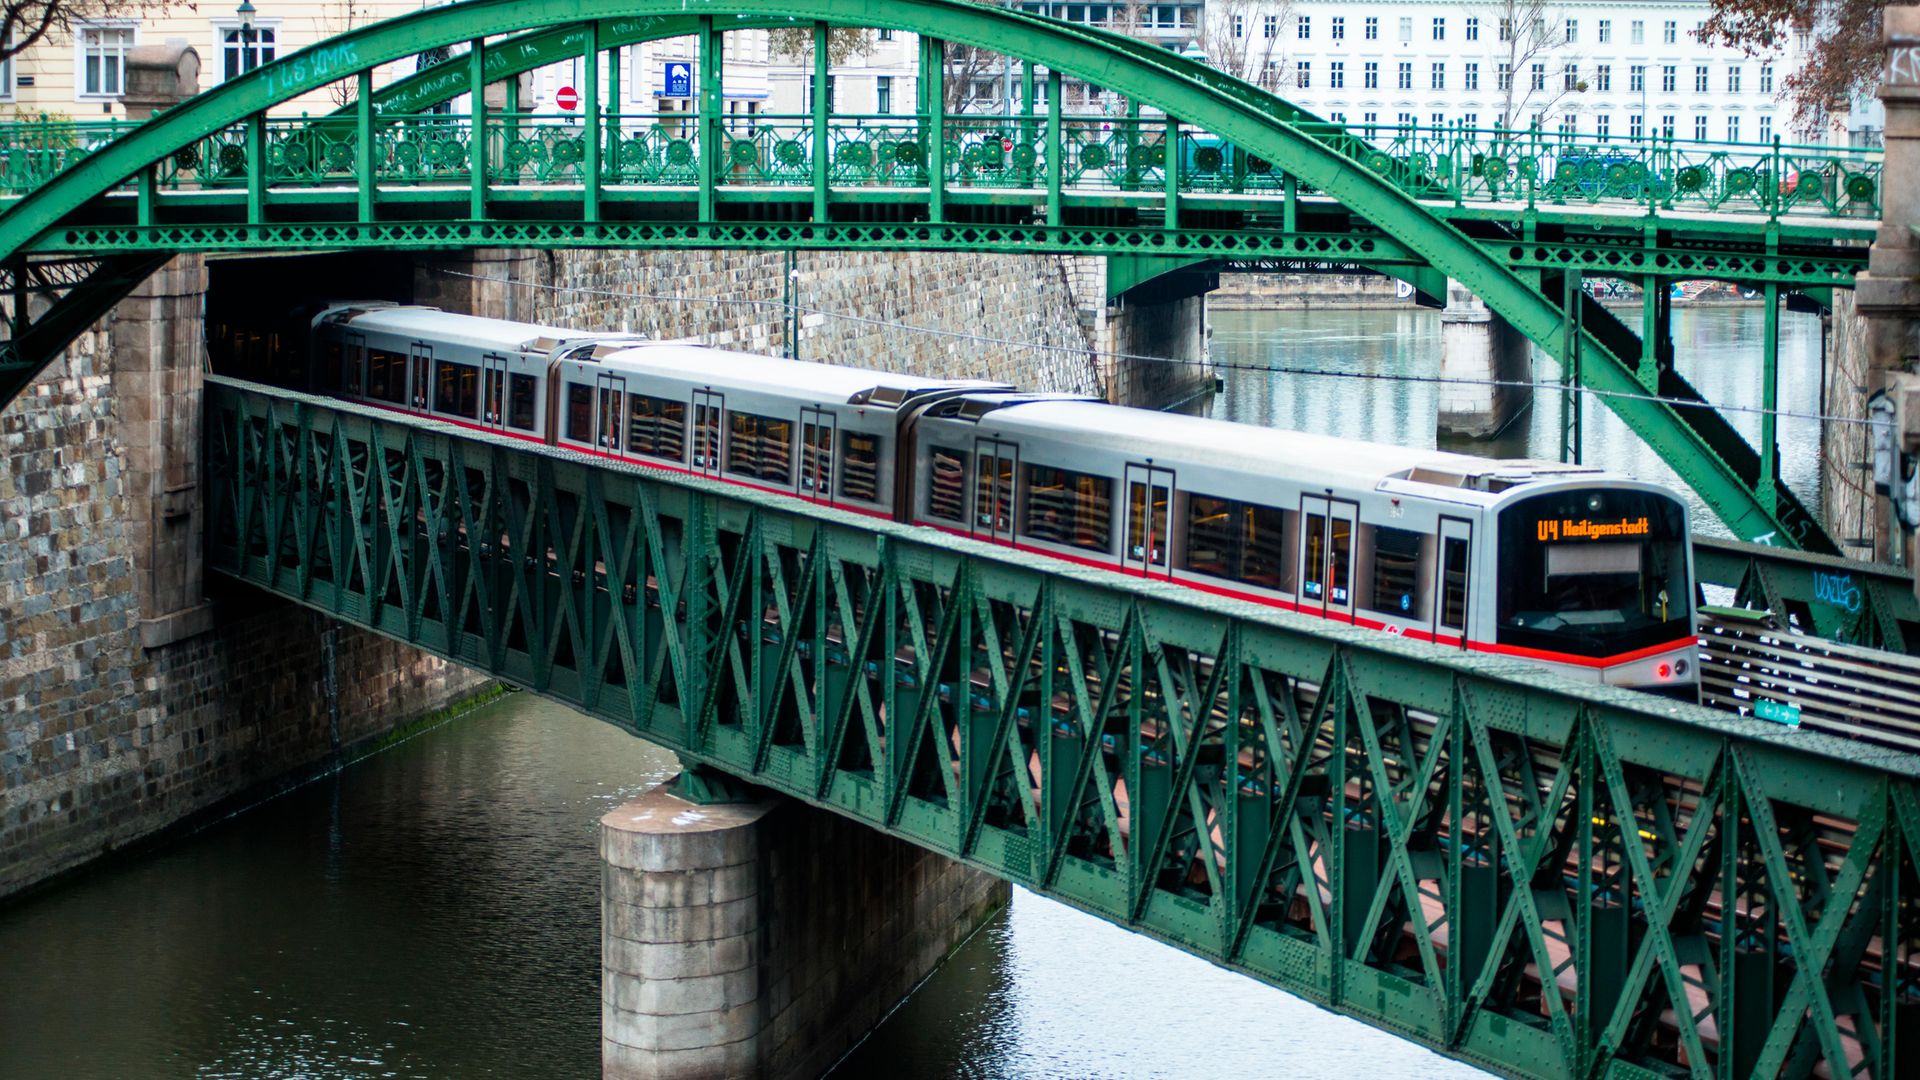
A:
471,331
722,369
1336,462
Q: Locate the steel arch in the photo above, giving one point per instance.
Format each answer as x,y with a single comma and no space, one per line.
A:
1259,122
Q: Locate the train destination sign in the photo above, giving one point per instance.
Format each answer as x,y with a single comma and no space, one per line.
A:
1563,529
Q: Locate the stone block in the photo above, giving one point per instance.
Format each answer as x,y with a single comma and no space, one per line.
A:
678,960
679,1031
691,922
691,994
725,1061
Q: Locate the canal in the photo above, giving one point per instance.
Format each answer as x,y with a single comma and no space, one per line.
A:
433,910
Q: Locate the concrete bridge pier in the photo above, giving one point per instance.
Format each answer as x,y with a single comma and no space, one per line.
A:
763,938
1481,349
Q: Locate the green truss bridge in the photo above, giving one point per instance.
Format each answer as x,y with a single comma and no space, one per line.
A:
1543,877
1203,170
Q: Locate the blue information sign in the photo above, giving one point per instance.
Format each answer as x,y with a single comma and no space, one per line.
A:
678,79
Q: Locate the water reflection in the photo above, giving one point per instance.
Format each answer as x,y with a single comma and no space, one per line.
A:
1716,348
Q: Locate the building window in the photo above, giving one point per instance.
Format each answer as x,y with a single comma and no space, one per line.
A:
1303,74
1568,125
1439,29
103,59
1639,32
1370,119
1470,121
1406,75
1506,77
1406,121
1670,32
1573,31
1570,78
1606,31
1636,126
1337,75
1603,78
1669,75
883,94
1506,29
1270,27
1700,78
1471,80
1766,129
1603,126
1637,78
1700,128
1733,129
1406,28
1303,27
1339,118
6,78
238,56
1371,75
1666,125
1372,28
1339,28
1473,29
1733,79
1439,120
1439,76
1539,76
1766,78
886,35
1239,26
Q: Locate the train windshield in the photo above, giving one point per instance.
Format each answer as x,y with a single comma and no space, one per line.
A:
1594,573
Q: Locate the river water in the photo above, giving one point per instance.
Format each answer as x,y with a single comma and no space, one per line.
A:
433,911
1717,348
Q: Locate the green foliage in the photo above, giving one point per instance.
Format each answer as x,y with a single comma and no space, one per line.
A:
1845,51
796,43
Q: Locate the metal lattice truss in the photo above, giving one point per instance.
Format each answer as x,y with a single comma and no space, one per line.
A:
1546,878
1230,172
1860,603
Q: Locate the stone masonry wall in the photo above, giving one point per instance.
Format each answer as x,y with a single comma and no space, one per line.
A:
1012,298
117,720
1853,512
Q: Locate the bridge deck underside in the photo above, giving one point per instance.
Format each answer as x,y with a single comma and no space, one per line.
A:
1543,877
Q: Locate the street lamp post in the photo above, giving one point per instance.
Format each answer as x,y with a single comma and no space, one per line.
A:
246,12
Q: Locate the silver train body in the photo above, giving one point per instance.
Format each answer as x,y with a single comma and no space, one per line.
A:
1574,568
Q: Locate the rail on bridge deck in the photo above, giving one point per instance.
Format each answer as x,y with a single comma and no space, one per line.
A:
1544,877
1227,172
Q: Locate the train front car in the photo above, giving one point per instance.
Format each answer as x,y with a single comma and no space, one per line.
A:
1598,580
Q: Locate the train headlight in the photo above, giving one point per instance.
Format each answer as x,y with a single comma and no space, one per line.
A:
1679,667
1664,671
1593,503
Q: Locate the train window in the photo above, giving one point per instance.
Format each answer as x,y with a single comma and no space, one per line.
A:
1212,546
456,389
1147,520
947,483
386,376
816,459
520,399
993,491
1266,559
1329,559
860,466
1453,584
610,425
1066,507
656,427
579,412
1396,572
333,363
760,447
350,374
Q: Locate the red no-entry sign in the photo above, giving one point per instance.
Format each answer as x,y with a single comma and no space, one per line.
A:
568,98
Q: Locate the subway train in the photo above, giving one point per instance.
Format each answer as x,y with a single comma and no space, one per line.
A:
1574,568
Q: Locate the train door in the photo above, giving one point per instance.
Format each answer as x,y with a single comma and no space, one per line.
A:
422,371
1452,581
707,409
353,362
1326,556
493,392
816,455
610,412
995,465
1149,505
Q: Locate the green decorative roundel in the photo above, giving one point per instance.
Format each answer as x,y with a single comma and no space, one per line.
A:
790,153
1618,173
568,152
907,153
855,155
1093,156
1023,156
1567,172
743,152
518,153
232,159
1379,161
1740,181
633,153
340,157
186,158
1860,187
1207,159
406,155
1139,156
1691,178
295,155
679,152
1258,166
1494,169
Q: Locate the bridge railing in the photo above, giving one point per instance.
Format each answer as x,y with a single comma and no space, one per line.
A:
1542,876
1450,163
